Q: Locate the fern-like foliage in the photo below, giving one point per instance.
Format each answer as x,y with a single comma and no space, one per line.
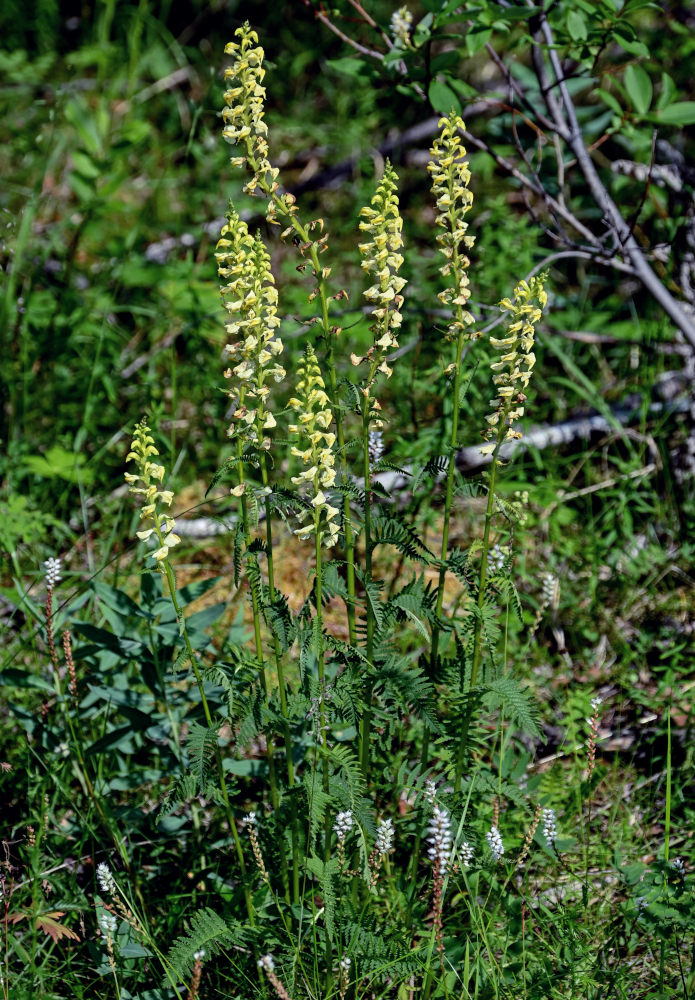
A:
381,953
325,873
507,694
207,932
185,788
388,528
435,468
201,745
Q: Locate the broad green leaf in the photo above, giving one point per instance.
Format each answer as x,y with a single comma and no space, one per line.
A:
348,66
117,600
639,88
442,97
476,38
678,113
668,91
119,739
576,26
57,462
610,100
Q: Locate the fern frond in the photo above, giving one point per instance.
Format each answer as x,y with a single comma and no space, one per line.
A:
207,932
201,745
507,694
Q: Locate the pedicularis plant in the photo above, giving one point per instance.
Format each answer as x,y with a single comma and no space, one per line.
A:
387,845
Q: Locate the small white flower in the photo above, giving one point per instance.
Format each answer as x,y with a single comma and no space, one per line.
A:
106,881
495,558
430,791
251,819
343,824
107,923
495,842
384,836
345,963
596,704
53,568
548,821
549,586
677,863
376,446
466,854
439,838
267,963
401,22
198,956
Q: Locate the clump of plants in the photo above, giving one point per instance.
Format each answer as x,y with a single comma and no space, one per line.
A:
391,841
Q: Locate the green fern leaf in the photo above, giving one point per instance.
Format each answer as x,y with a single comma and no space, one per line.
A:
507,694
208,932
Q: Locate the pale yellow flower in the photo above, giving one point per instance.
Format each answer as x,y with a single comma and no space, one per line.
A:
513,371
140,484
250,298
312,407
382,223
450,180
244,117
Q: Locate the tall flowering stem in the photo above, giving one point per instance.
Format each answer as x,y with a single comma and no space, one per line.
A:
315,447
144,484
450,186
250,299
245,126
381,259
511,376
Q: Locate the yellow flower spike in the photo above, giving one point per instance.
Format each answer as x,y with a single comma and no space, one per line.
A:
312,408
382,222
250,298
513,370
141,449
450,180
243,116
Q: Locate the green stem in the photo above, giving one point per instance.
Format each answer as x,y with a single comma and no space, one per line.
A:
477,641
171,580
320,654
366,723
322,718
260,659
449,497
283,692
303,233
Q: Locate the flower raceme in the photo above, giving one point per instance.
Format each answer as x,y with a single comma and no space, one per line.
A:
250,298
144,484
243,116
401,26
513,371
450,179
243,119
313,410
383,225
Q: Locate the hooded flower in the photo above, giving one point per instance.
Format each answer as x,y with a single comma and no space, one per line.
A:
313,410
450,180
244,113
382,223
513,371
144,484
250,298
